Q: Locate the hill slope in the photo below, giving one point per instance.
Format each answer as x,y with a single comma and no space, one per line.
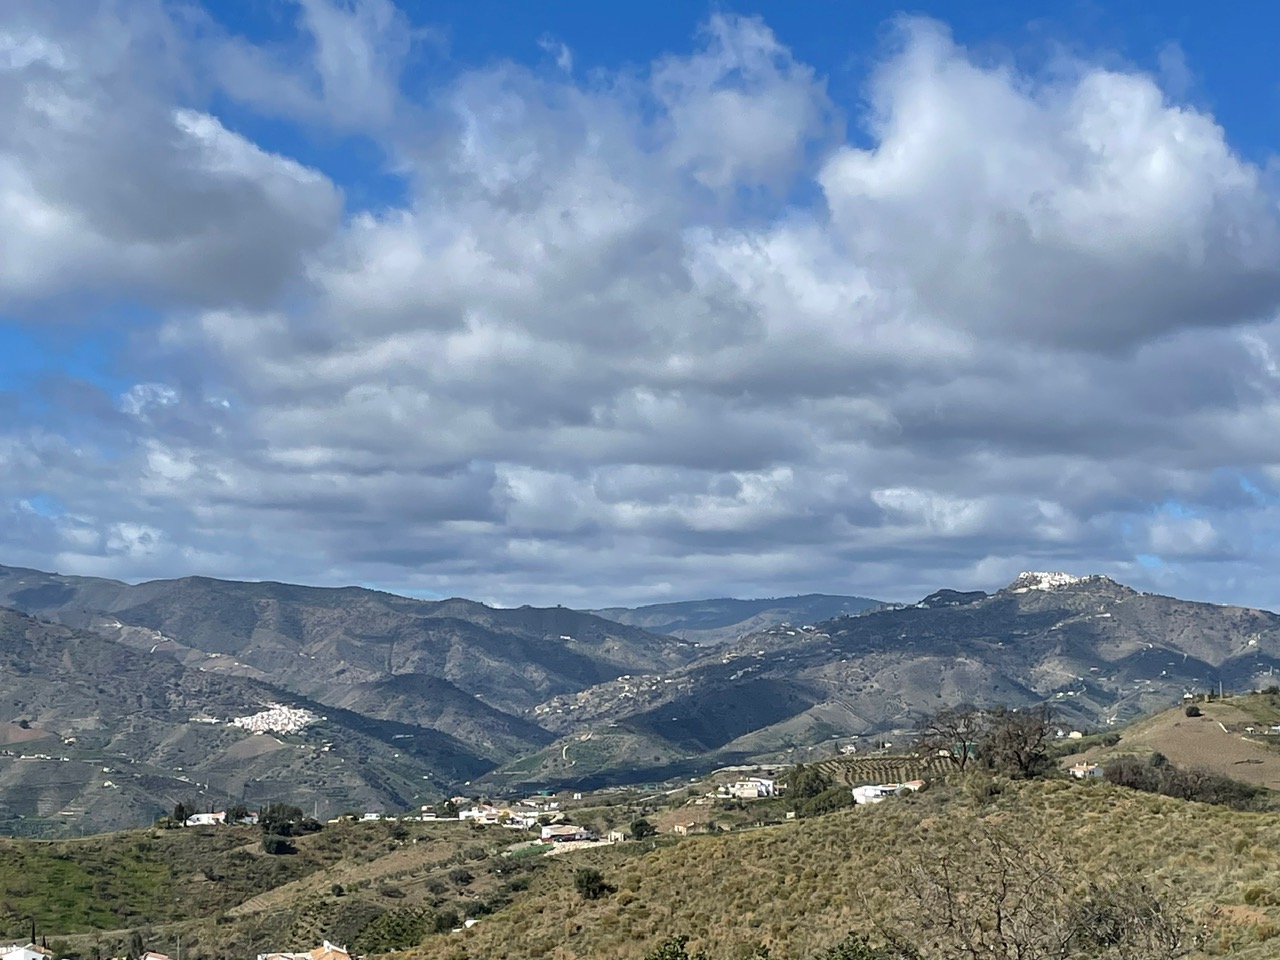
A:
1099,651
795,889
711,622
97,735
456,666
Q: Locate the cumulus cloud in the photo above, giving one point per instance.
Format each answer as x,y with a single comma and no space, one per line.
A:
665,333
112,183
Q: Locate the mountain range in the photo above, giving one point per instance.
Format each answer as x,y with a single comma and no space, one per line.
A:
131,691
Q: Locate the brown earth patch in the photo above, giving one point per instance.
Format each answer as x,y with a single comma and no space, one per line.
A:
12,733
1200,743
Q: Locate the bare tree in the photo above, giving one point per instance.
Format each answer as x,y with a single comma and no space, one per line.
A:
987,896
1014,742
953,731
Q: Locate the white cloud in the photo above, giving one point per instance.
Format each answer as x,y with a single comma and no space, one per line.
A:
110,185
600,351
1090,212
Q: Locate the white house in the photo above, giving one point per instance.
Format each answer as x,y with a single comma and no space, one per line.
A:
326,951
874,793
206,819
28,952
753,788
564,832
1085,771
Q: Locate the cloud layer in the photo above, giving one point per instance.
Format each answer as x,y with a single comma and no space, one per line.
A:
686,330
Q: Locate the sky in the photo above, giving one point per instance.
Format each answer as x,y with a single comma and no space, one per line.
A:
603,304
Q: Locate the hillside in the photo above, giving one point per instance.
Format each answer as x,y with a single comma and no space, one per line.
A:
1100,652
1231,738
95,735
455,666
712,622
795,888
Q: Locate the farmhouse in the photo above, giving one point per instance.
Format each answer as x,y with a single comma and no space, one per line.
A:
1085,771
564,832
28,952
206,819
326,951
753,788
874,793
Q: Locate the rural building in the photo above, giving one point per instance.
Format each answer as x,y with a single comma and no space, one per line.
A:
28,952
874,793
753,788
326,951
564,832
689,828
1085,771
206,819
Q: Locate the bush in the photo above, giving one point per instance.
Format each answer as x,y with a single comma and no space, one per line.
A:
277,845
461,876
590,883
395,930
828,801
858,947
673,948
1158,775
642,828
1192,711
444,921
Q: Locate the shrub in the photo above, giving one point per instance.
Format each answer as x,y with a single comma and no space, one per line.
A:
673,948
1192,711
461,876
858,947
828,801
444,921
590,884
277,845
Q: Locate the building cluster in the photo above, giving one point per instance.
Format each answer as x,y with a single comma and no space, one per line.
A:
519,815
1085,771
35,951
277,719
752,788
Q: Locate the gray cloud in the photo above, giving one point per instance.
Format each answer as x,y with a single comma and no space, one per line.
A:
598,355
112,181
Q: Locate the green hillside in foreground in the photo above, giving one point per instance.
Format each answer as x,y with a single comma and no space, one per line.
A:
800,888
794,888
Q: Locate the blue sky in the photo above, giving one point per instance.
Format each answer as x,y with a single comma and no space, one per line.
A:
569,303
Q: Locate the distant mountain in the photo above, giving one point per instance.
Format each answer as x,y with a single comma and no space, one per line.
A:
98,735
421,696
1098,651
719,621
456,674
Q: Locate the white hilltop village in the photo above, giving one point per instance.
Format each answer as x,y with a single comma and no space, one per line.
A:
275,718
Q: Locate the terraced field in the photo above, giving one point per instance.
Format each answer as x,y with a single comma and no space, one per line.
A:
887,769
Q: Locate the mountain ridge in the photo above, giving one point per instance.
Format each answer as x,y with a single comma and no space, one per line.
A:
540,697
